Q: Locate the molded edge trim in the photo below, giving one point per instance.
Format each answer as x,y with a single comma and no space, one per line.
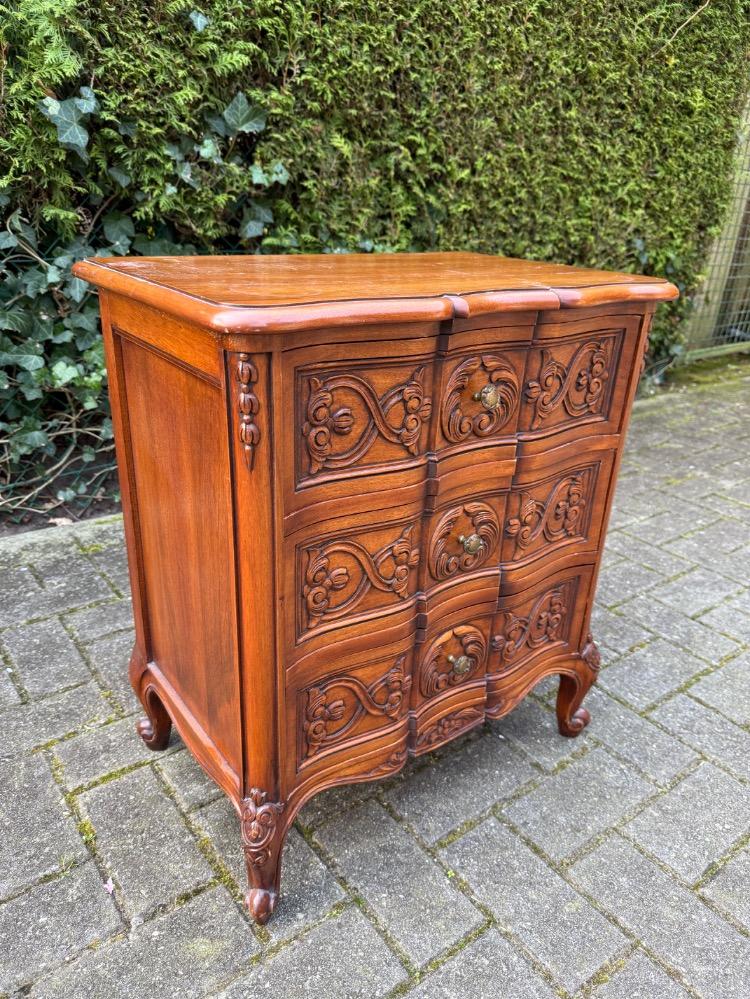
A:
222,319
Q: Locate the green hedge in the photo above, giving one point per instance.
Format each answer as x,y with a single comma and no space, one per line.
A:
595,133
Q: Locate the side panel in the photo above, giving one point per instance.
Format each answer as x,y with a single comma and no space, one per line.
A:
178,466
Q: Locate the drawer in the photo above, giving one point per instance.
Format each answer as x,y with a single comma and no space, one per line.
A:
539,621
342,578
463,539
557,506
577,377
359,429
340,712
455,657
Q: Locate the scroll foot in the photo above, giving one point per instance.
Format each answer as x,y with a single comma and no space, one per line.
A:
156,728
263,837
572,719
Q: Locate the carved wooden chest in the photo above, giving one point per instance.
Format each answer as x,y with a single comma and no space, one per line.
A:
365,500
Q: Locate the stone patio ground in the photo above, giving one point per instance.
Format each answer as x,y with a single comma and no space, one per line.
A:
513,864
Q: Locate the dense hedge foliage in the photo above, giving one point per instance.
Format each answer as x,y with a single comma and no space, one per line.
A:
596,133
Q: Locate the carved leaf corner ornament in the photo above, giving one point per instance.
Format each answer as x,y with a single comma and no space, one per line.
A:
559,516
248,404
259,825
577,386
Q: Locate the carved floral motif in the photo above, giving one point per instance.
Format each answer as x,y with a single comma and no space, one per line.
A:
323,576
499,397
259,825
324,420
448,726
578,386
448,555
543,624
440,670
247,376
324,710
590,654
558,516
394,762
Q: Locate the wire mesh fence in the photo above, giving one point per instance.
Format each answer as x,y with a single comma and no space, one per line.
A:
721,321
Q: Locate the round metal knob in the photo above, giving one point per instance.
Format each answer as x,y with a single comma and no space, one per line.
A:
472,544
489,396
460,665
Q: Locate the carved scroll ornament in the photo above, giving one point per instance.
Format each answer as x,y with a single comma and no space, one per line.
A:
450,555
577,386
559,516
499,398
543,624
439,670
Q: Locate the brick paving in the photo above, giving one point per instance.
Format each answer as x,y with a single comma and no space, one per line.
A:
513,863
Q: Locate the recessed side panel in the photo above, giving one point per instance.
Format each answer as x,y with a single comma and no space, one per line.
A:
182,481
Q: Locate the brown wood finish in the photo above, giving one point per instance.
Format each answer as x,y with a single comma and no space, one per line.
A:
365,499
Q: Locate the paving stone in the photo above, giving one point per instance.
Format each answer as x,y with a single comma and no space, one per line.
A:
724,535
70,581
406,888
678,519
114,564
694,636
102,532
570,807
730,889
37,833
632,507
96,622
641,743
344,958
695,592
652,556
719,810
708,732
48,924
308,889
476,971
45,657
534,729
728,690
730,621
644,676
623,581
110,656
191,784
102,751
463,783
559,927
21,595
8,694
29,725
640,979
332,803
143,842
187,953
668,918
618,631
732,564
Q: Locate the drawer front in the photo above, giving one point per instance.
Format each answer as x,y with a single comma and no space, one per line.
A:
456,657
578,375
557,505
352,706
463,539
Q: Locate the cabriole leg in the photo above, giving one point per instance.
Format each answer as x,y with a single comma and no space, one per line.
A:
263,837
572,719
155,729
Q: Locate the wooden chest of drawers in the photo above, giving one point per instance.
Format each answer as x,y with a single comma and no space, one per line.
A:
365,499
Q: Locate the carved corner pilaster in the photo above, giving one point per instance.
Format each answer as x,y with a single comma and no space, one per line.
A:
248,405
262,840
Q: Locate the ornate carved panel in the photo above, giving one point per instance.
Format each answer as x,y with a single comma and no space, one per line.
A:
463,540
550,512
337,437
339,575
571,388
481,396
448,726
542,623
453,658
333,709
259,826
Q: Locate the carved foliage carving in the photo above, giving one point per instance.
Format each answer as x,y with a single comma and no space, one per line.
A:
544,623
442,668
329,718
394,762
560,515
325,420
448,726
387,570
247,376
577,386
259,826
501,391
447,555
590,654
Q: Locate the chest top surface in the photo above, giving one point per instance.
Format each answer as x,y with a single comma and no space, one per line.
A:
280,293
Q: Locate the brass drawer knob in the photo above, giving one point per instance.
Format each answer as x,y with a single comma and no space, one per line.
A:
472,544
460,665
490,396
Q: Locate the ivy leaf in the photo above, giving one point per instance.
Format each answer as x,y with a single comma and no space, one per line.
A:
21,358
7,241
87,102
251,228
258,175
120,176
66,117
119,230
208,149
63,372
279,173
199,20
242,116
